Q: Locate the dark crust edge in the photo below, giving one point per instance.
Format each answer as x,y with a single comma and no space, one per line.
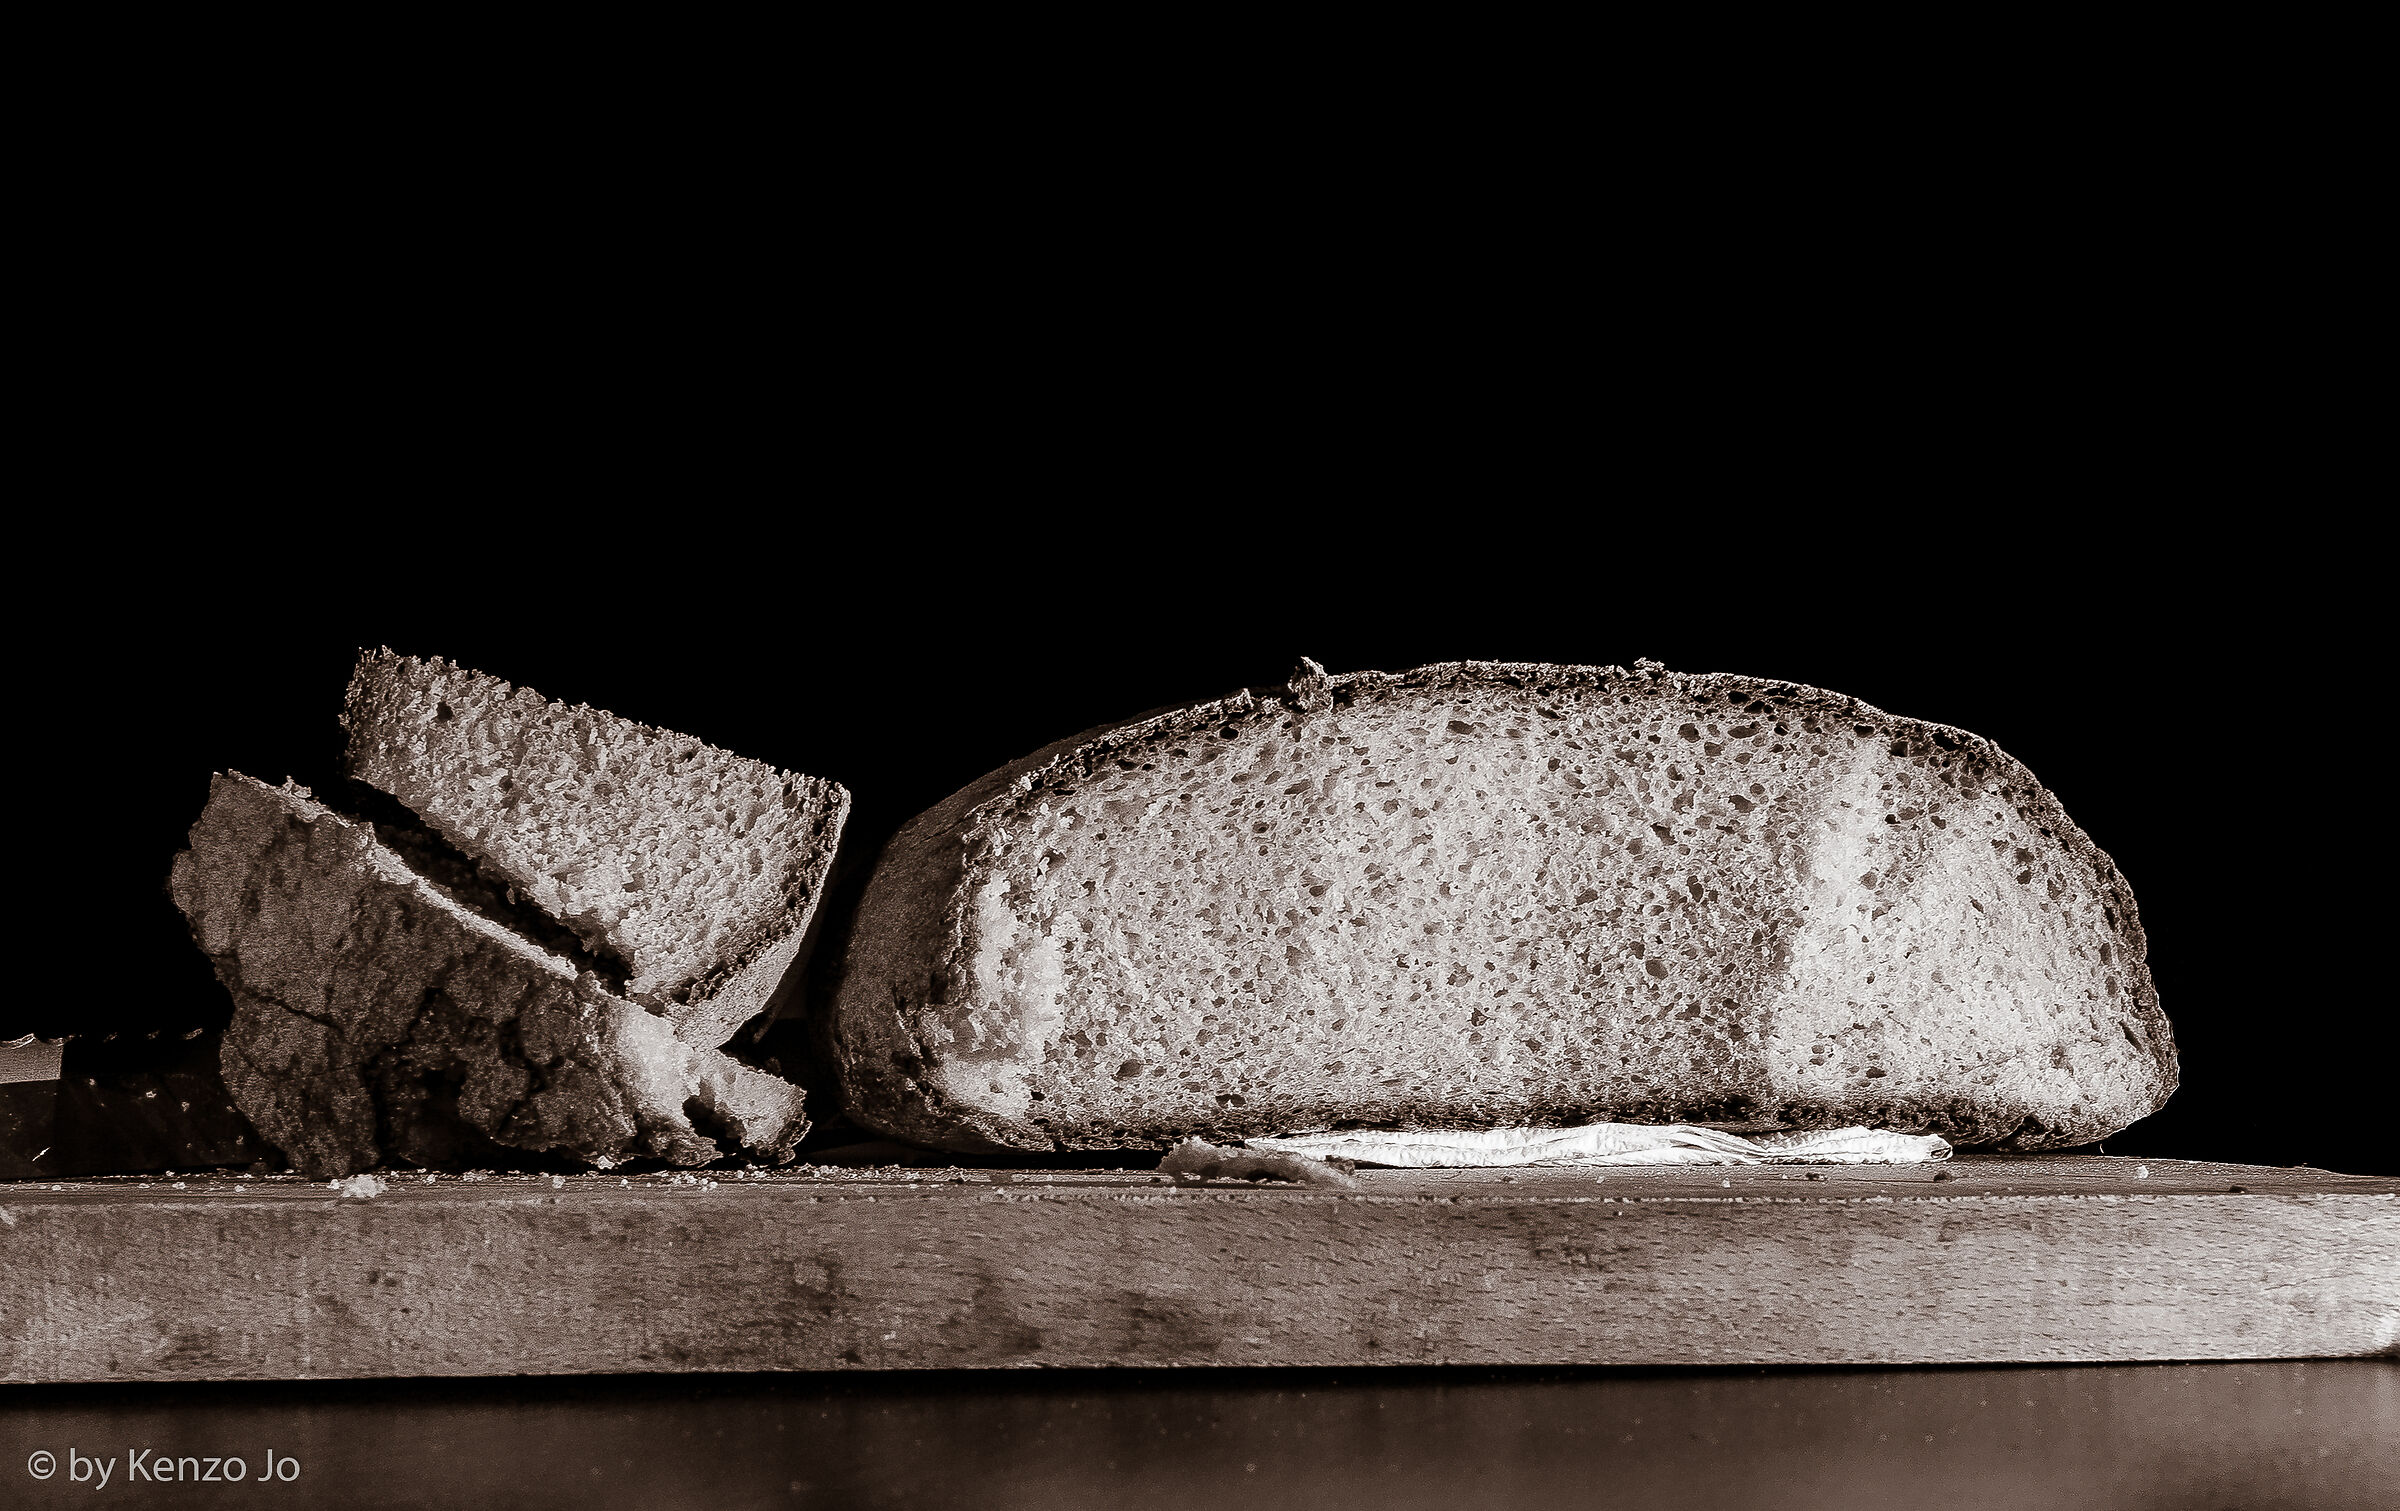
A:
983,809
803,891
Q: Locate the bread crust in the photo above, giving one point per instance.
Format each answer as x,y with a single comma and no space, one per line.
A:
915,996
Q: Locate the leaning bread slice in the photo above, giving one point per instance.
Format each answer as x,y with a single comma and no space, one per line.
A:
693,870
1482,894
380,1019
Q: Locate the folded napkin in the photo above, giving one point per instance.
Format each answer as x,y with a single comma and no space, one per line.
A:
1613,1144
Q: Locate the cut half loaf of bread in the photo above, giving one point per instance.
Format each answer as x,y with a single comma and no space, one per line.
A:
692,870
1486,894
380,1018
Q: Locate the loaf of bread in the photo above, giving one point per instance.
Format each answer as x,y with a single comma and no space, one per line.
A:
1486,894
387,1012
693,872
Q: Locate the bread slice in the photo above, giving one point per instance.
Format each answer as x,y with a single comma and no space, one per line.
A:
380,1018
1484,894
692,871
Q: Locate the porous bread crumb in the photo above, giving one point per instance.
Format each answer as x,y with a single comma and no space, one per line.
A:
359,1186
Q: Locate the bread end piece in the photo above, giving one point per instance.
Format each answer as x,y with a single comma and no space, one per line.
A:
378,1020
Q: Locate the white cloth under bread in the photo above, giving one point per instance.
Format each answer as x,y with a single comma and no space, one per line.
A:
1613,1144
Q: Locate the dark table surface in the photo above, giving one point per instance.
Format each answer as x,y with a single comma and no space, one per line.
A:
2186,1436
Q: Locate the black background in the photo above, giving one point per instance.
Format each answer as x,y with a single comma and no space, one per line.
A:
2201,713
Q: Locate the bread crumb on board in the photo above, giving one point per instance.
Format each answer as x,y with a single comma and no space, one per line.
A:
1196,1159
359,1186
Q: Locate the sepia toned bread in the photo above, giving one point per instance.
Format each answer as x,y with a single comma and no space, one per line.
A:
380,1017
1485,894
693,871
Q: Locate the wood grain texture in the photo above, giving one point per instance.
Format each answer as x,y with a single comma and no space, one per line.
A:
2032,1259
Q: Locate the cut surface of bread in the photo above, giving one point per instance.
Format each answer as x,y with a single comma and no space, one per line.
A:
692,870
379,1019
1483,894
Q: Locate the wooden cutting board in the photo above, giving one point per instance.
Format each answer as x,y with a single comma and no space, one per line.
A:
2028,1259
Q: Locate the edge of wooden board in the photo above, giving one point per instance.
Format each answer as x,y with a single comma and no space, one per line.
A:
2015,1259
